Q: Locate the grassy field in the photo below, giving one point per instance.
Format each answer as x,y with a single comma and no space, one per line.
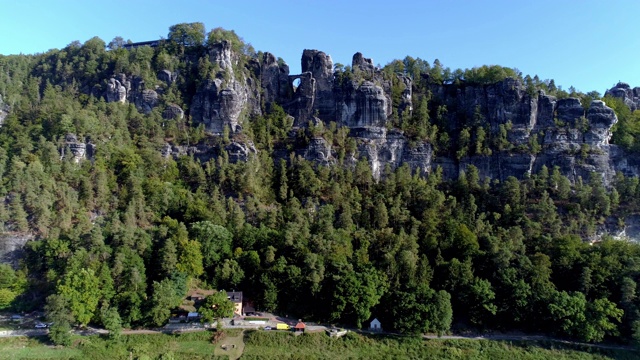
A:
252,344
281,345
192,346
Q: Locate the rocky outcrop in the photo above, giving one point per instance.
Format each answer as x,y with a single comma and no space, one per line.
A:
364,106
173,111
274,78
116,91
167,76
218,103
319,151
77,150
320,66
145,100
570,137
240,151
623,91
124,88
12,247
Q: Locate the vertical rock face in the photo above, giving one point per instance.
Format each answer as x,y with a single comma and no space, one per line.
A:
274,78
301,107
570,137
320,66
116,92
217,104
220,102
365,108
540,130
601,119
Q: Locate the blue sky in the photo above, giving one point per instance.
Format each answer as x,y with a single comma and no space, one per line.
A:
587,44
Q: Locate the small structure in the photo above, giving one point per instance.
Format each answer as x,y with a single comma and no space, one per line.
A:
300,327
193,316
375,325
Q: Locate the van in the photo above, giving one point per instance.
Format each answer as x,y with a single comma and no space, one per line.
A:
282,327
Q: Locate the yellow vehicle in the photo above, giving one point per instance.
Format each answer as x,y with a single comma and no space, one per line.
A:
282,327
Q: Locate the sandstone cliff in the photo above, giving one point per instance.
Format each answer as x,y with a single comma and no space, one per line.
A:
538,130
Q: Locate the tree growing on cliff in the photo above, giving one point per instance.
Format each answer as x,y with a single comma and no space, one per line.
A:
187,34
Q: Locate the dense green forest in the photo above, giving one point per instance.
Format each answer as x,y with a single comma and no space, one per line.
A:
118,239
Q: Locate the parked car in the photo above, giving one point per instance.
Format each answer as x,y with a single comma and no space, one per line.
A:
267,327
41,326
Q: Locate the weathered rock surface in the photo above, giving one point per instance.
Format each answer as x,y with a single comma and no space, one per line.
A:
364,106
274,78
122,88
167,76
220,102
12,247
116,92
77,150
240,151
542,130
320,66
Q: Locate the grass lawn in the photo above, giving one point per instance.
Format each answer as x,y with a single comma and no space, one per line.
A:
252,344
34,348
192,346
280,345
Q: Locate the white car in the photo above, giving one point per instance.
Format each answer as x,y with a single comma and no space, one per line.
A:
41,326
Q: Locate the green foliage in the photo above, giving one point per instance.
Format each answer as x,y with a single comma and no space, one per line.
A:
83,292
216,306
111,321
187,34
6,298
59,313
219,34
119,239
165,298
627,130
488,74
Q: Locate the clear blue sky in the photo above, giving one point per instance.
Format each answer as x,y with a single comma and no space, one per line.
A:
588,44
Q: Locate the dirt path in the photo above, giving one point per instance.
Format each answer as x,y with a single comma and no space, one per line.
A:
231,346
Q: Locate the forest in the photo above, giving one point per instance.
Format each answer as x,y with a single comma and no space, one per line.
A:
116,240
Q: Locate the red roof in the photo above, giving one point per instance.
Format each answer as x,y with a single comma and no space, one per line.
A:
300,325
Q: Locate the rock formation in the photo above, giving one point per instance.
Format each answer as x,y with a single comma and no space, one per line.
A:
124,88
77,150
173,111
220,101
631,97
538,130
